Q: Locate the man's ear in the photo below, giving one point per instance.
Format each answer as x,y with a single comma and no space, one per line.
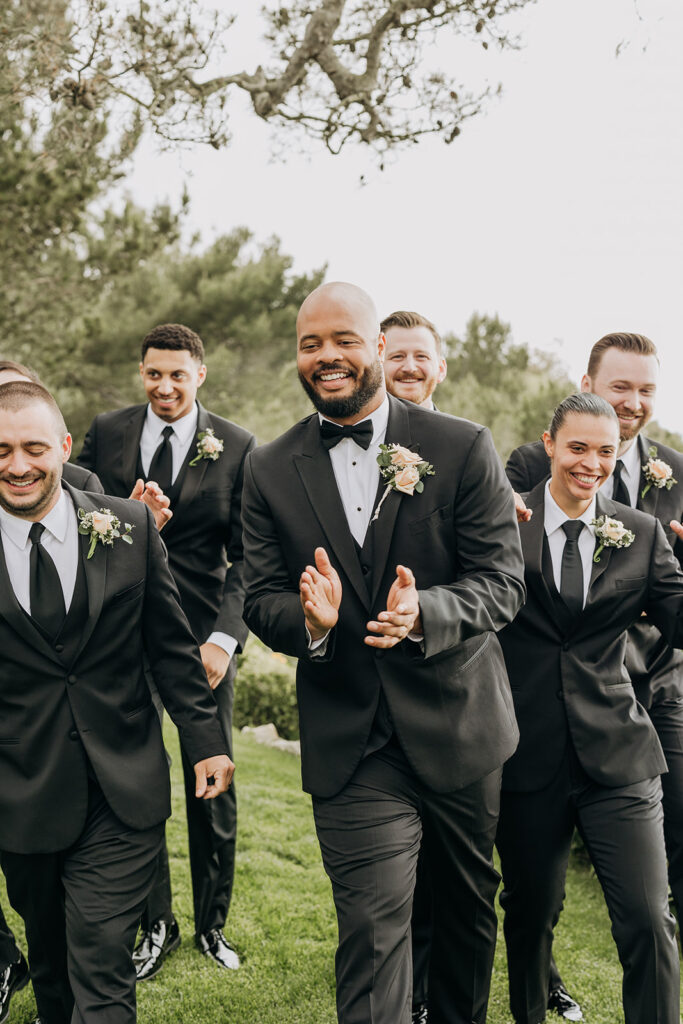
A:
201,375
443,370
67,444
586,383
381,346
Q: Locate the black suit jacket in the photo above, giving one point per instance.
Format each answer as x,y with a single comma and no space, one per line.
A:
450,705
568,676
205,532
57,715
82,479
655,668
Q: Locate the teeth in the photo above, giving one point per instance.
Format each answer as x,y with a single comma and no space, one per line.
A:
585,479
333,376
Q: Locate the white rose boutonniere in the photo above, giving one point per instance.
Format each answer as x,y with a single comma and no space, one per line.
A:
610,533
102,526
208,446
402,470
657,473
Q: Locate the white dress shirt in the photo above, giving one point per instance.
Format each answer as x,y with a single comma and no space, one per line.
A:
184,430
60,540
553,519
630,474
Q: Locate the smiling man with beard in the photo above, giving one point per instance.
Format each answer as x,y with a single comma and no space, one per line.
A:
404,706
413,360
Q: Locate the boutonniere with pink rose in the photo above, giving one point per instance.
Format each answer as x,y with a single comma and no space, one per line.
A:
208,446
402,470
657,472
102,527
610,533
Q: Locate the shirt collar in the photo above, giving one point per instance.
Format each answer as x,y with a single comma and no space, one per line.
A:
379,419
184,428
554,517
56,522
631,459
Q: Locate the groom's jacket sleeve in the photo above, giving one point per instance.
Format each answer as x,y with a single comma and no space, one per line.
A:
665,590
174,659
489,590
527,466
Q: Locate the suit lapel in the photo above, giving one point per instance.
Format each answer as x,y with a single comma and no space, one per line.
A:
398,432
192,476
130,441
532,535
603,507
95,568
317,476
649,502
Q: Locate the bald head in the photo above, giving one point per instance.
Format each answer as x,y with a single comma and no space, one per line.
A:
340,351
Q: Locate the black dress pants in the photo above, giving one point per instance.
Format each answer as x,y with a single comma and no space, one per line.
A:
9,951
667,718
370,836
212,835
81,908
623,833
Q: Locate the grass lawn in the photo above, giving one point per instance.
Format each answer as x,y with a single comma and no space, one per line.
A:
282,921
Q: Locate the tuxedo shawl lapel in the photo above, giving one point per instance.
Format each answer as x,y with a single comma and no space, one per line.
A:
398,432
317,476
532,535
130,441
192,475
95,567
649,502
12,612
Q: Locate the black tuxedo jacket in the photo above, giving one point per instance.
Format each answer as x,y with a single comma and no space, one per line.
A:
58,712
82,479
655,668
450,705
567,674
205,532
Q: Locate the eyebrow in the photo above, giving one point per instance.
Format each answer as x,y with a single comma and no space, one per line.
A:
335,334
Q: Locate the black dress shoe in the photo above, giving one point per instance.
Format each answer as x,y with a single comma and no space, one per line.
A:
12,979
155,945
215,945
560,1002
419,1014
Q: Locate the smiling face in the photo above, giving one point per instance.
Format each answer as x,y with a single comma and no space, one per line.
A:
171,378
412,364
582,454
32,454
340,350
628,381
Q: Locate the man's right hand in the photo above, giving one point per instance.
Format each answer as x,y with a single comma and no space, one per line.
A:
524,514
321,592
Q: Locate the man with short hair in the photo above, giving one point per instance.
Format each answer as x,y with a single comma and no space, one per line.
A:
623,368
198,459
86,594
413,359
404,709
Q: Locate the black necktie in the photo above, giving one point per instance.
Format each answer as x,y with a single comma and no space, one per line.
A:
571,575
332,434
620,492
161,466
45,587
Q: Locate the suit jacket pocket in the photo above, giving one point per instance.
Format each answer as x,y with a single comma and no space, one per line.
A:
632,583
435,518
129,594
8,741
217,494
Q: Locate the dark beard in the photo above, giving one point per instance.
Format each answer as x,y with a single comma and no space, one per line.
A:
367,386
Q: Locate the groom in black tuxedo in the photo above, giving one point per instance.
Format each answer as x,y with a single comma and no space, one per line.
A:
404,704
85,786
197,458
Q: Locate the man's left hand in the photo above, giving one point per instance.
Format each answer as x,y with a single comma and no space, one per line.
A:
402,615
213,776
215,661
677,528
158,503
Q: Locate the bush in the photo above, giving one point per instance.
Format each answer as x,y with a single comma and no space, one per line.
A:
265,691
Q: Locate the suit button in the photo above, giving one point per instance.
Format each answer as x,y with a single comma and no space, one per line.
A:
73,735
72,679
366,569
59,648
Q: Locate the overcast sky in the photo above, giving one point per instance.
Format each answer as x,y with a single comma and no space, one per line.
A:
560,209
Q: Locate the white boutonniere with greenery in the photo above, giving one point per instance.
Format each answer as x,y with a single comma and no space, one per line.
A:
102,527
402,470
610,533
208,446
657,473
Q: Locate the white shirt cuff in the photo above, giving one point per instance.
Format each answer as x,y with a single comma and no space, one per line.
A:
317,647
225,642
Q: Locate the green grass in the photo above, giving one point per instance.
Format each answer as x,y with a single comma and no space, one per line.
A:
282,921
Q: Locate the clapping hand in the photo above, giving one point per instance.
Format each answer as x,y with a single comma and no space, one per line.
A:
213,775
320,591
677,528
402,615
152,495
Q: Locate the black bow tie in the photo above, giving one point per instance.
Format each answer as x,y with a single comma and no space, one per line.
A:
331,434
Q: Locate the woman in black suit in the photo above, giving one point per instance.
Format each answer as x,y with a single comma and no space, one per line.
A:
588,754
